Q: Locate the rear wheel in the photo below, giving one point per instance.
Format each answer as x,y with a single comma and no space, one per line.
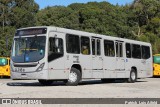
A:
74,77
133,76
46,82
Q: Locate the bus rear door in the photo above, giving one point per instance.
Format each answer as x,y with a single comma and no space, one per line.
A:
120,60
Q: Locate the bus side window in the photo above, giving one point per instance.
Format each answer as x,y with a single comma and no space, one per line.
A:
128,50
109,48
85,45
72,44
145,52
136,51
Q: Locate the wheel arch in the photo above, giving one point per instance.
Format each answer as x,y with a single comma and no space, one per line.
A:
135,68
77,66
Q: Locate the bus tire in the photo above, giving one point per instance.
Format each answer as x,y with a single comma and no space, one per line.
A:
74,77
46,82
133,76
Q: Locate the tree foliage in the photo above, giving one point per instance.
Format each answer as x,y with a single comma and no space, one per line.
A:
13,15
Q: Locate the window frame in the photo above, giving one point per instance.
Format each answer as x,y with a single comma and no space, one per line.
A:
145,52
130,51
78,50
53,55
89,47
136,52
105,42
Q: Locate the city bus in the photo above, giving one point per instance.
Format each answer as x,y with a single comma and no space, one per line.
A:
156,65
58,54
4,67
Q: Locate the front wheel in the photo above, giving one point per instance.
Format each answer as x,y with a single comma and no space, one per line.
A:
133,76
46,82
74,77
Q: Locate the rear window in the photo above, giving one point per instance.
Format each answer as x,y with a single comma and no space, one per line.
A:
3,61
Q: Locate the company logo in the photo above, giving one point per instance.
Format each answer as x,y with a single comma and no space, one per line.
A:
6,101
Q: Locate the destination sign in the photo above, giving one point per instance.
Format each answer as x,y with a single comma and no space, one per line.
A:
33,31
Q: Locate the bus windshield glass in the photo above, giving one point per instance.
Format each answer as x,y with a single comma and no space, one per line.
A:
156,59
3,61
28,49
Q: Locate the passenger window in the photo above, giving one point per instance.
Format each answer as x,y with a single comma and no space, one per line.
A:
145,52
109,48
72,44
98,47
128,50
85,45
136,51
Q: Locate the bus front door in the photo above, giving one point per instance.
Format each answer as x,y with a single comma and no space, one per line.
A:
97,59
120,60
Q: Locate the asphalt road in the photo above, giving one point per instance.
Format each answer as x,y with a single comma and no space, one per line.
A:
143,88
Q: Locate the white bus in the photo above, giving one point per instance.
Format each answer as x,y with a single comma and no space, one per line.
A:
51,54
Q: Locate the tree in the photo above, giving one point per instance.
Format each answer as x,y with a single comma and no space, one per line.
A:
14,14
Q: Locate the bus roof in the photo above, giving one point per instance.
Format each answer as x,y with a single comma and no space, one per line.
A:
83,33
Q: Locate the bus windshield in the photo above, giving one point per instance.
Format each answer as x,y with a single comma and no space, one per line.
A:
156,59
28,49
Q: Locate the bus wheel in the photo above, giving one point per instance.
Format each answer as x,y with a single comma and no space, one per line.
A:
133,76
45,82
74,77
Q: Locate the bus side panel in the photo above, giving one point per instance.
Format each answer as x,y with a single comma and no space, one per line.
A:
128,66
110,67
56,69
149,67
139,66
86,65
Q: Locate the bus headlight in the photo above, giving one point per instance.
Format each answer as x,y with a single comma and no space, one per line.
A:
40,67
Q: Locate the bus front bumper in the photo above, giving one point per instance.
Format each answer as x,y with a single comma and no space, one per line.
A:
30,76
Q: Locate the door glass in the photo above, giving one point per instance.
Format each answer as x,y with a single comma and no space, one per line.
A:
119,49
93,46
98,47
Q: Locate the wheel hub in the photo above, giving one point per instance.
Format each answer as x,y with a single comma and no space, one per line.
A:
133,76
72,77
